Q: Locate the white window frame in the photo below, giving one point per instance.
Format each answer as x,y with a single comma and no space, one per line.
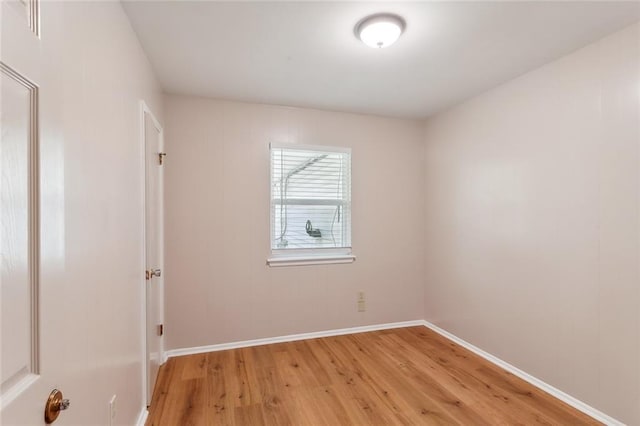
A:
307,256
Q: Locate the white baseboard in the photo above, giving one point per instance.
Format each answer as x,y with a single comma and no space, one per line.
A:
142,417
557,393
290,338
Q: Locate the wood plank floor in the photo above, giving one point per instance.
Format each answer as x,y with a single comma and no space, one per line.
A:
403,376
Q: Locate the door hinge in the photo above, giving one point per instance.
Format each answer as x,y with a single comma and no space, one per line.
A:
160,329
150,273
161,156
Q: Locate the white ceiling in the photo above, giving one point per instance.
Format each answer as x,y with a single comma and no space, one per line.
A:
305,53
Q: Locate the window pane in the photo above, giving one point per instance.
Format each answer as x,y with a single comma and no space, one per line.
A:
310,199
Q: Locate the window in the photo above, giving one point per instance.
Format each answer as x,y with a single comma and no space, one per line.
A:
310,205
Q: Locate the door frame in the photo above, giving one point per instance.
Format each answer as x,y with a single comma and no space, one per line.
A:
146,392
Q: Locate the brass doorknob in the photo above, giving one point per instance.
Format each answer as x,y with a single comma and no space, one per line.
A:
55,404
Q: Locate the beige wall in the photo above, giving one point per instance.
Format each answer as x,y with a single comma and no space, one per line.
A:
532,223
519,209
92,73
218,287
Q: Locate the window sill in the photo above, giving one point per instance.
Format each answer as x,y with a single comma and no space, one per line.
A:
310,260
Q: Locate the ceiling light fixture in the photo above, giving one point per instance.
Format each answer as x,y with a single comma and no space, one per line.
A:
380,30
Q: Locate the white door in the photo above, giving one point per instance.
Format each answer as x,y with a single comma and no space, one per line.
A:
154,157
59,274
30,361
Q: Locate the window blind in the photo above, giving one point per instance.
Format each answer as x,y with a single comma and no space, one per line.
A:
310,198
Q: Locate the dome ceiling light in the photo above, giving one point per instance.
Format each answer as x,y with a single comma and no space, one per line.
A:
380,30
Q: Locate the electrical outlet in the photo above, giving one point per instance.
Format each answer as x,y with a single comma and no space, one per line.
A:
361,302
112,411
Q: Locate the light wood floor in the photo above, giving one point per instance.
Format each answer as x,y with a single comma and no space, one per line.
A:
403,376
